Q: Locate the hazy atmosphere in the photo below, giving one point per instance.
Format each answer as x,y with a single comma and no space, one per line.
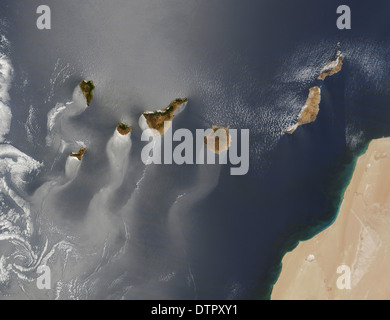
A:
110,227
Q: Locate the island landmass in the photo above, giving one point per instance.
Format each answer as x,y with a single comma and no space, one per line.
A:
155,119
220,138
87,88
309,111
332,67
79,154
123,128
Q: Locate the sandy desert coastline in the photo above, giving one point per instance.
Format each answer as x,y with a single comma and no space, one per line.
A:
359,238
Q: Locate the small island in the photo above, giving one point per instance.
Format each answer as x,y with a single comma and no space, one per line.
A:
309,111
87,88
79,154
123,128
155,119
221,138
332,67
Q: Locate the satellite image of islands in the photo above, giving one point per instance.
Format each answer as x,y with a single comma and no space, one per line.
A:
194,150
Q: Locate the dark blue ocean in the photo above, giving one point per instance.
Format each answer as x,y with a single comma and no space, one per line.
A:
196,232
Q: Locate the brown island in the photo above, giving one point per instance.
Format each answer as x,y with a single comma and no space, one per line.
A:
155,119
79,154
332,67
123,128
87,88
309,111
220,138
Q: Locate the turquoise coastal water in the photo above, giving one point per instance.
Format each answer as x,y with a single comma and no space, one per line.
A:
339,189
